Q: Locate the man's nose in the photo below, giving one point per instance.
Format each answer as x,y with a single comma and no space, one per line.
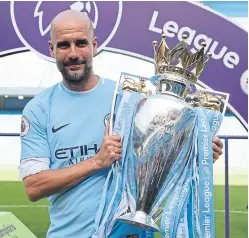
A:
73,53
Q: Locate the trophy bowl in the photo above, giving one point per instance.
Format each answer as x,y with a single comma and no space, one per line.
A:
161,126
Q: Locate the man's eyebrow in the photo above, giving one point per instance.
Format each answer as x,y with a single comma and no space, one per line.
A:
81,41
62,43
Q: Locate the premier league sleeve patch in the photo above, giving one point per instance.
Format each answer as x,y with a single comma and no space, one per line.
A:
25,126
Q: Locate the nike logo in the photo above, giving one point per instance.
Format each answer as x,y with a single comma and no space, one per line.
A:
57,129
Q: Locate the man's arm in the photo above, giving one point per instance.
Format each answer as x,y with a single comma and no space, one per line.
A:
48,182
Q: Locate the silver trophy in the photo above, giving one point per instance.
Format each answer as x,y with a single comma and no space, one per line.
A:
162,124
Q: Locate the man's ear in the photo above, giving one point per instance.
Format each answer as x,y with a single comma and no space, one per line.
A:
95,45
51,49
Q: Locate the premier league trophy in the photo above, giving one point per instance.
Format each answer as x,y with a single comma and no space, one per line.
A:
162,128
166,167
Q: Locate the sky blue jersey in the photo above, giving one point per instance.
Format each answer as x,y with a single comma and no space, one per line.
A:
68,127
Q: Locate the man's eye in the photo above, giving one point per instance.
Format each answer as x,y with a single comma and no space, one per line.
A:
82,45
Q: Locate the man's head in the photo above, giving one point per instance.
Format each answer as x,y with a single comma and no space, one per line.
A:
73,45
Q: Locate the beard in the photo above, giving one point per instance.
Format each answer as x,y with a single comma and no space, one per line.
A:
71,76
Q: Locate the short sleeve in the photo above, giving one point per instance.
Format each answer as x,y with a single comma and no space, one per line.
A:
34,142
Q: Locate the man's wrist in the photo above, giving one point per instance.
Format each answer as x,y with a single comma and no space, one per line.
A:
95,162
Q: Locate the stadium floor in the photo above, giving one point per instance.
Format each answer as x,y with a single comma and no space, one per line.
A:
35,215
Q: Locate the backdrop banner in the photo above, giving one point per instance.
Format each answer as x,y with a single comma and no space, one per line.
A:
130,27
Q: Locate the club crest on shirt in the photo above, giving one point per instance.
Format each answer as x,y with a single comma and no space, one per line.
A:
107,118
25,126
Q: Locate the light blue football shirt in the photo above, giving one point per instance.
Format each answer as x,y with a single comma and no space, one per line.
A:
68,127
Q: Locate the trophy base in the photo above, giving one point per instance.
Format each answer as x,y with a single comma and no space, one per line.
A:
139,219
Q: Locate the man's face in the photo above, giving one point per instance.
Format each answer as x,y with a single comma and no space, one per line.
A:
73,47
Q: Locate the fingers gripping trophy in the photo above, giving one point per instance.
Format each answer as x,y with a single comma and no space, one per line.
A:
163,142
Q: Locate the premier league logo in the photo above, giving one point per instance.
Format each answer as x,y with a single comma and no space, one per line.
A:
31,21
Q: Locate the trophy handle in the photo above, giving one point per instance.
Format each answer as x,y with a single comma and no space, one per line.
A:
113,105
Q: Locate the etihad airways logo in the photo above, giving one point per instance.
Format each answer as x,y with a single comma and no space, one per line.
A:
77,154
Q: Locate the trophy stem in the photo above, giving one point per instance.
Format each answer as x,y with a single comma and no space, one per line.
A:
174,85
139,219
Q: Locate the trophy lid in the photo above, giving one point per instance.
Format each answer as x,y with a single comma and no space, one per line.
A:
179,60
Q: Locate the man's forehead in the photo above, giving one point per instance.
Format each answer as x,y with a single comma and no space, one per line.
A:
78,24
70,22
70,15
71,28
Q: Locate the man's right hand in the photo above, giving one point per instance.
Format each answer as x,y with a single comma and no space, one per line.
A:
110,150
49,182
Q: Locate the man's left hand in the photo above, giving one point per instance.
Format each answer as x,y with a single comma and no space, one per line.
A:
217,147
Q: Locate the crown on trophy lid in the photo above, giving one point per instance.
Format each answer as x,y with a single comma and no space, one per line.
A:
179,59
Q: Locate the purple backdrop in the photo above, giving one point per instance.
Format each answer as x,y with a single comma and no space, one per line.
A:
132,26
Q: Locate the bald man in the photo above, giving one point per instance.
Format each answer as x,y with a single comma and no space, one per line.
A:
66,151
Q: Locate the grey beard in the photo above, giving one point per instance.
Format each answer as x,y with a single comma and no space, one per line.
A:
74,77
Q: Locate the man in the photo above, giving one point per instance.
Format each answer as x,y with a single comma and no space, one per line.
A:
66,149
